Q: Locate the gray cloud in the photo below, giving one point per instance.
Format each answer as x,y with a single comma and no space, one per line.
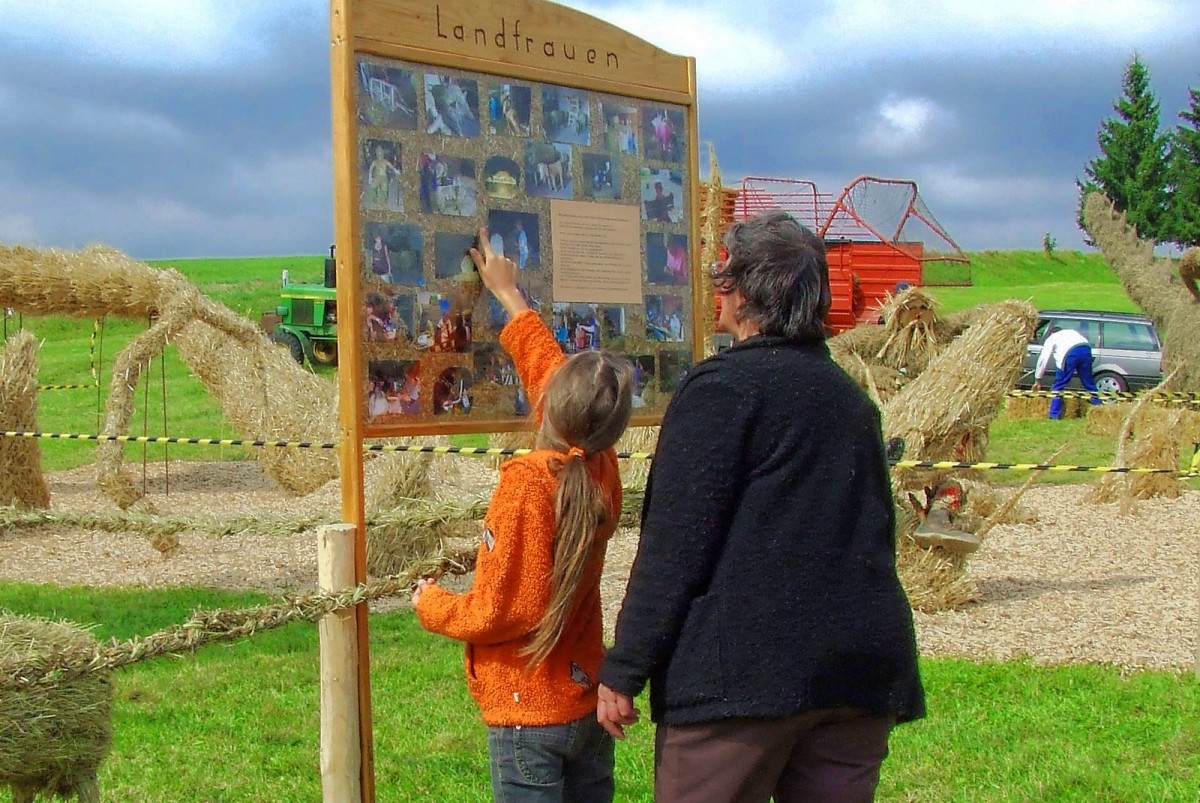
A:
210,160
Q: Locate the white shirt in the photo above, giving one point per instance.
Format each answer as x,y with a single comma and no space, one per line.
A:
1057,346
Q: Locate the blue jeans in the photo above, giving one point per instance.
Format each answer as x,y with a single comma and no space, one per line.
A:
1078,360
571,763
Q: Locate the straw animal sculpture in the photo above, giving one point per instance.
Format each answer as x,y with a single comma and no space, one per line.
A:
711,228
1150,284
1189,272
21,479
53,737
254,379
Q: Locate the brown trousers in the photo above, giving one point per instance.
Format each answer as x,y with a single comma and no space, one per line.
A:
829,755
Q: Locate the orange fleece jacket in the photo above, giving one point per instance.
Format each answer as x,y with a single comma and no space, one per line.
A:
511,590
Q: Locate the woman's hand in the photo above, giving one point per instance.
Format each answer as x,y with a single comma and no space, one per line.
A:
499,275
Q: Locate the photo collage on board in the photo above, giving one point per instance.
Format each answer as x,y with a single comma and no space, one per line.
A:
443,152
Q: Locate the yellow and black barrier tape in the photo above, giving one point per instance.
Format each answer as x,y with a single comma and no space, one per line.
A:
482,451
1170,397
95,383
92,386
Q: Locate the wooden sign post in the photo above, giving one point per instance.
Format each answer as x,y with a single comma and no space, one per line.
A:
574,143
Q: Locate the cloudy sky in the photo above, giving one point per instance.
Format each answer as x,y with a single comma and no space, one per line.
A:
180,128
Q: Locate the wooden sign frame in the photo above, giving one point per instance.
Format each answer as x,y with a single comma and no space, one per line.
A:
389,59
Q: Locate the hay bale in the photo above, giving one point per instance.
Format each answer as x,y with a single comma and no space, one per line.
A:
53,734
1025,408
1106,419
21,480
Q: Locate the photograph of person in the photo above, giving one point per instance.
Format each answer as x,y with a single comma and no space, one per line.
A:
620,128
452,391
381,189
426,315
451,254
509,109
612,323
501,178
383,320
518,236
664,319
394,252
387,96
674,367
643,380
447,184
548,170
663,134
451,106
577,327
566,115
603,176
393,389
497,317
662,195
451,328
667,259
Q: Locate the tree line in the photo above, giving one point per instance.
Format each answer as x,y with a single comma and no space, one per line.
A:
1152,175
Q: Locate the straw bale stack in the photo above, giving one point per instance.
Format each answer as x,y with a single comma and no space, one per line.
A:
21,480
53,735
1023,408
1150,284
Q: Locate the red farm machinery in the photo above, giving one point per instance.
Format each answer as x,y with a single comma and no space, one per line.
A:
878,233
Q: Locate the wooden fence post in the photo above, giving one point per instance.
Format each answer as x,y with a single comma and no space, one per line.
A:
341,756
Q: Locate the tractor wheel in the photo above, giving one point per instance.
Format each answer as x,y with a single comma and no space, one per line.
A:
290,342
324,352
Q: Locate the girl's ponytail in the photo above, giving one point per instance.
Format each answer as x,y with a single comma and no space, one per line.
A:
587,406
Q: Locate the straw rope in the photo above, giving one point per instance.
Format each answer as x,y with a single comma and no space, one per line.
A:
208,627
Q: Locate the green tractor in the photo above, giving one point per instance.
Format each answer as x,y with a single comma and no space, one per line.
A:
305,321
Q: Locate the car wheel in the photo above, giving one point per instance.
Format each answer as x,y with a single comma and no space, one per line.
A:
1111,383
324,352
290,342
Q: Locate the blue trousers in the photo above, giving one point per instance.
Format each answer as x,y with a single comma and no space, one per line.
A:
570,763
1078,360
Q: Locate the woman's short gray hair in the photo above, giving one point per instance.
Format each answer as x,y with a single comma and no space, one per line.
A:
779,266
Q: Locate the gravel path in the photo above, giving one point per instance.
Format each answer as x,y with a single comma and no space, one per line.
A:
1083,584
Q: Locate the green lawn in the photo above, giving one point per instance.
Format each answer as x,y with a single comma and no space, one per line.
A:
240,722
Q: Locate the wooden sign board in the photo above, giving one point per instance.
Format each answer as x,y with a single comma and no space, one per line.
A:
573,141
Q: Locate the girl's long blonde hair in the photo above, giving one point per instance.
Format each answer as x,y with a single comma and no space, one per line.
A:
586,406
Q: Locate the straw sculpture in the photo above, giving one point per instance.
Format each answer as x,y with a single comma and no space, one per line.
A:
1150,283
53,737
944,414
21,479
259,389
884,357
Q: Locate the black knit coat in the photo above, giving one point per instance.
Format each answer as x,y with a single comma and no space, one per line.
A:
765,580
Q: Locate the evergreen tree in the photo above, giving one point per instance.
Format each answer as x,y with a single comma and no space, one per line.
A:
1184,176
1132,168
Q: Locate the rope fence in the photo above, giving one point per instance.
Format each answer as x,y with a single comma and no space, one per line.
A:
95,383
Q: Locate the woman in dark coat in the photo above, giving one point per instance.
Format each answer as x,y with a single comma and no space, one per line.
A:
763,606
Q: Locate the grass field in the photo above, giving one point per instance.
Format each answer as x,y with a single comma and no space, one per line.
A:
240,722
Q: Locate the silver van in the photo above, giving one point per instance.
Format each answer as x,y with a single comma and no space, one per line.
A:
1126,349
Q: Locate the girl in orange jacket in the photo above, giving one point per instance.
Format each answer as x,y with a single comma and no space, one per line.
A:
532,619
